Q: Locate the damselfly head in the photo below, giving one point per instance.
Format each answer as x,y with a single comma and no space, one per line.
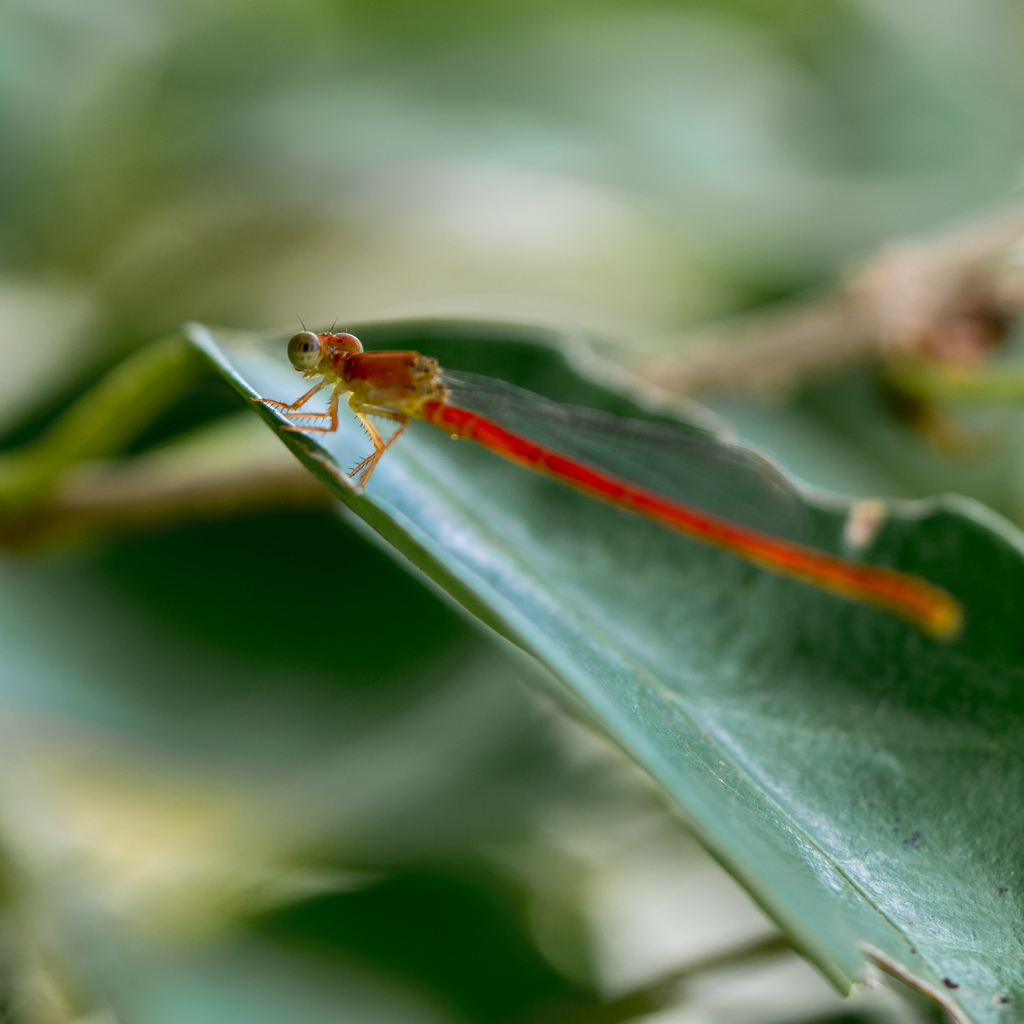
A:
305,350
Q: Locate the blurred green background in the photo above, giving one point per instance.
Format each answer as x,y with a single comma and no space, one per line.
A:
349,805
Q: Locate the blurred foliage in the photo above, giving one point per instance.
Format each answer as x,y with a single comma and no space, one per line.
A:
234,162
460,934
632,167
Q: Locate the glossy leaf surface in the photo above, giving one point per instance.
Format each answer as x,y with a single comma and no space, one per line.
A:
863,782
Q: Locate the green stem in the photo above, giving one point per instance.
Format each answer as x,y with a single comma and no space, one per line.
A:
926,380
98,424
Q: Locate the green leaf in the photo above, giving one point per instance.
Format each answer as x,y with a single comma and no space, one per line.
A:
859,779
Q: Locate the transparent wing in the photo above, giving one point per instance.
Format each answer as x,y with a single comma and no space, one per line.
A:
679,462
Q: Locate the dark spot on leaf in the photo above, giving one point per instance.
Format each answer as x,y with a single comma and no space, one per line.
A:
913,950
1004,999
1003,890
949,983
914,842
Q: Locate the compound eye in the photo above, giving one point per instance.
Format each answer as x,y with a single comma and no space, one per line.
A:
304,350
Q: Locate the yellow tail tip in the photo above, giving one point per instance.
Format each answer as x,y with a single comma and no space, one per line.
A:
945,619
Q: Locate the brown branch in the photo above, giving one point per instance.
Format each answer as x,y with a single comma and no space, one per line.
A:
123,499
215,474
948,296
